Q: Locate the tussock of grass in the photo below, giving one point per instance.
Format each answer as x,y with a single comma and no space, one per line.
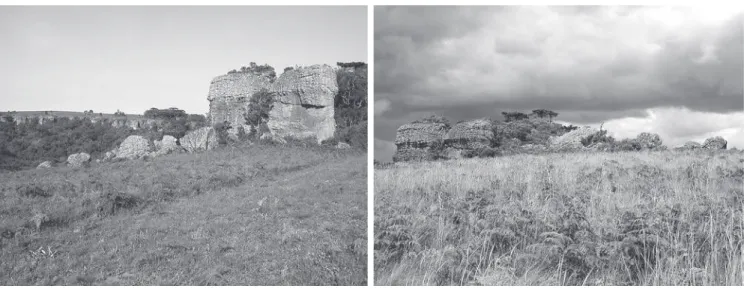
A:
642,218
253,215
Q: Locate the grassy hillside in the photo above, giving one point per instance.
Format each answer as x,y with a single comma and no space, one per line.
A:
627,218
251,215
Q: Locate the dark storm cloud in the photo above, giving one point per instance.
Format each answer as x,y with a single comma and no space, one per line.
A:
590,64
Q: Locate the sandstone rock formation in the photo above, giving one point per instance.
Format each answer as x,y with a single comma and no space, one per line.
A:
648,141
715,143
78,160
133,147
44,165
199,140
414,141
303,105
468,135
571,141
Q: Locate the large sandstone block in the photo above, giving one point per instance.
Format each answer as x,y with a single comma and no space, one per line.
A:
133,147
414,140
303,105
715,143
472,134
199,140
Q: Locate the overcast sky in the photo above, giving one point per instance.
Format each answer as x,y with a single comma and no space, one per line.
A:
675,71
134,58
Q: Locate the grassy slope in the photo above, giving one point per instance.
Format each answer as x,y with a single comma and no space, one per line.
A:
665,218
257,215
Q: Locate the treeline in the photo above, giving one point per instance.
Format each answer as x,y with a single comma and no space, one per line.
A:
27,144
351,105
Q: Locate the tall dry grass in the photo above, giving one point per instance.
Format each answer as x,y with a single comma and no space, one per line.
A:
641,218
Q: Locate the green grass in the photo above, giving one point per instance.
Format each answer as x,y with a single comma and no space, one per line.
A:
253,215
641,218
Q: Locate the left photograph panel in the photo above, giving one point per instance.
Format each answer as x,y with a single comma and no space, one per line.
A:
194,145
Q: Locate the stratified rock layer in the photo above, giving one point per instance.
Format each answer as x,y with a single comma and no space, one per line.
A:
303,104
414,140
468,135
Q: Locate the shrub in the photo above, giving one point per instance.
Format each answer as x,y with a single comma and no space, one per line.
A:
221,131
259,107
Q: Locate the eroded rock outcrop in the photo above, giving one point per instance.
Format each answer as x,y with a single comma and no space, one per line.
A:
199,140
648,141
715,143
168,144
303,104
472,134
415,141
78,160
571,141
691,145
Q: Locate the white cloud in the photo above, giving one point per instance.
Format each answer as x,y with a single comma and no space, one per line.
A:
381,106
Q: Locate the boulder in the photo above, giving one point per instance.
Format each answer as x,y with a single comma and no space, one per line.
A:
571,141
469,135
648,141
715,143
200,140
133,147
343,146
44,165
419,140
78,160
169,144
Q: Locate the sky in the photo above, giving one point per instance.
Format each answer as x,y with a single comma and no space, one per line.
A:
674,71
132,58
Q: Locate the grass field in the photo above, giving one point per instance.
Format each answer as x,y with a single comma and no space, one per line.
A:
641,218
252,215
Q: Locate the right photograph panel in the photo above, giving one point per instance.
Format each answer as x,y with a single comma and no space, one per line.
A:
558,145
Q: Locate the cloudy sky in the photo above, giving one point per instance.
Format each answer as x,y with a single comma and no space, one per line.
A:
675,71
134,58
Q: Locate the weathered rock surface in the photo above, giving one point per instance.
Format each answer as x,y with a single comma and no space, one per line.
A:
133,147
343,146
468,135
717,143
649,141
303,104
199,140
571,141
44,165
414,140
167,145
78,160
